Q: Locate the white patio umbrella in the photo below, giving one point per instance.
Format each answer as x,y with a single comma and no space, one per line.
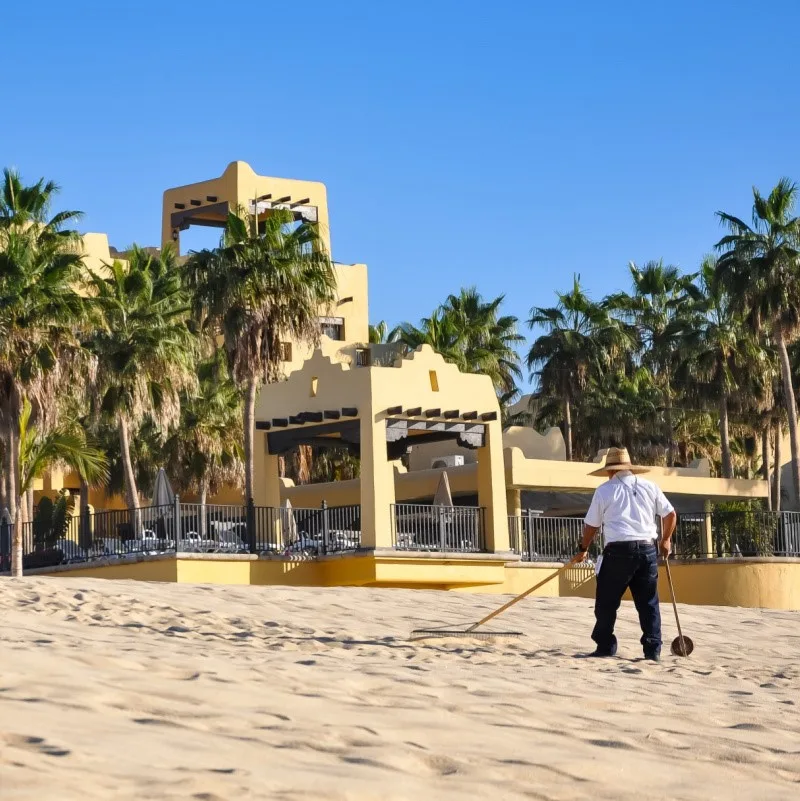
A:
288,523
163,496
162,491
443,496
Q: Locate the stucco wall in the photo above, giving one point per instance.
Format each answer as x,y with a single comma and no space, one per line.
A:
754,583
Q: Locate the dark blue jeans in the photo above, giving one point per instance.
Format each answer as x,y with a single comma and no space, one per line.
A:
634,565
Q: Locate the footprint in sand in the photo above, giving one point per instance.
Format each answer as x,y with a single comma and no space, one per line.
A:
37,744
617,744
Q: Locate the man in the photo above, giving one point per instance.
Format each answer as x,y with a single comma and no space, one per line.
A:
625,507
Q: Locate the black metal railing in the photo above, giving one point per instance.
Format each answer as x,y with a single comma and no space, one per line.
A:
188,528
420,527
538,538
733,533
307,531
721,533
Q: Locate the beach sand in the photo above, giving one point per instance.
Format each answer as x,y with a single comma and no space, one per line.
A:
123,690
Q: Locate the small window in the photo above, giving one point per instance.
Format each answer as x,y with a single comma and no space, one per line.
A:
434,380
286,351
314,386
332,327
362,357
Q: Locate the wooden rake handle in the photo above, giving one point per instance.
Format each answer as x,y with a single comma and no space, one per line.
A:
674,602
523,595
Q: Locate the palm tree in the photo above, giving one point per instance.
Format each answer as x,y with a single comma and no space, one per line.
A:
64,445
579,338
617,407
760,266
658,299
439,331
205,450
469,331
379,333
718,360
39,309
256,289
489,339
143,347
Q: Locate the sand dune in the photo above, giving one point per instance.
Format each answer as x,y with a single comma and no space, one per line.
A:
130,690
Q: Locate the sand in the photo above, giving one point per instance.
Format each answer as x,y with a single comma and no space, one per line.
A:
130,690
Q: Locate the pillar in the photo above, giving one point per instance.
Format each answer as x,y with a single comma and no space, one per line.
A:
268,527
514,506
707,535
267,484
492,489
377,485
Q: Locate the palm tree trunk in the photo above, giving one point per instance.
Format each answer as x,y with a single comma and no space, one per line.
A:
11,474
249,437
776,472
725,439
14,497
131,492
202,499
765,461
85,535
568,428
30,509
791,409
4,473
668,421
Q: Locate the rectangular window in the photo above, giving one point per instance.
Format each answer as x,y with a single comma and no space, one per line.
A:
286,351
332,327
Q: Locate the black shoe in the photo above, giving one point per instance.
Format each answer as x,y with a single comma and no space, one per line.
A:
652,657
601,654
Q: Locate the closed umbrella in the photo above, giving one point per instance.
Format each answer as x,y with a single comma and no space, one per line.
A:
162,491
443,499
443,496
163,498
288,523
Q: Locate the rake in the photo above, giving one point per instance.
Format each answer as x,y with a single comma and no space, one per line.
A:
470,631
681,645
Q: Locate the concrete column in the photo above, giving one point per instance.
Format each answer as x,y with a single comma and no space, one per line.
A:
267,489
708,531
377,486
492,489
514,505
267,492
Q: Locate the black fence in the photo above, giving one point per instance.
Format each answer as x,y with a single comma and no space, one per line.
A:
420,527
539,538
188,528
749,532
720,534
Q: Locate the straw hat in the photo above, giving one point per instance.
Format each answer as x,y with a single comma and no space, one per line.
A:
617,459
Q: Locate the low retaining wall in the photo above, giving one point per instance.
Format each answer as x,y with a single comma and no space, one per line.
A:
747,582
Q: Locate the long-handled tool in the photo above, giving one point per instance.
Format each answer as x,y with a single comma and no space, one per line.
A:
681,645
420,634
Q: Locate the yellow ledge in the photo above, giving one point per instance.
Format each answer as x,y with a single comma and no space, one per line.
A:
747,582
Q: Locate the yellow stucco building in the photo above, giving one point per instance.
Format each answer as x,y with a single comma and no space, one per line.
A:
508,512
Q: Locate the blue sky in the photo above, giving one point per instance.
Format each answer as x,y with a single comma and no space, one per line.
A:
505,144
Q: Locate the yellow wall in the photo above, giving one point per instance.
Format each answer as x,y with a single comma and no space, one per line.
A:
753,583
239,185
293,574
146,570
421,379
716,582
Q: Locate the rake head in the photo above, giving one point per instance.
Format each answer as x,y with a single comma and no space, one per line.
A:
682,649
432,634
